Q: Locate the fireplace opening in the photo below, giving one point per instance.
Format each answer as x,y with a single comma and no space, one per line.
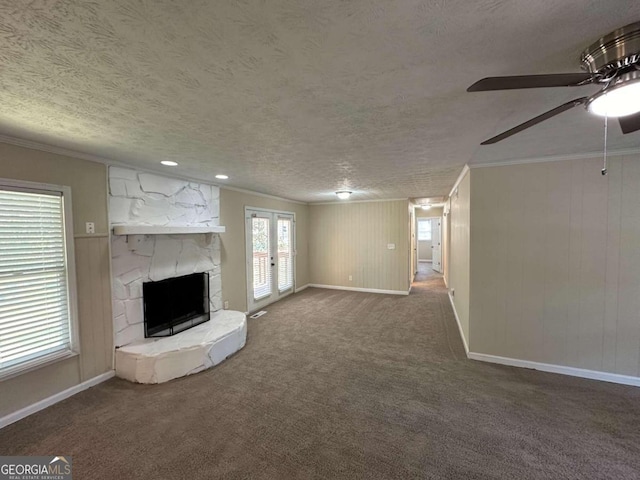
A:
175,304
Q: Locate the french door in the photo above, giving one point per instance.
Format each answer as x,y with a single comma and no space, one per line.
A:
270,238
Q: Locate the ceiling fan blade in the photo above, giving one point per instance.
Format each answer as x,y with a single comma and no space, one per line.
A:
531,81
630,123
534,121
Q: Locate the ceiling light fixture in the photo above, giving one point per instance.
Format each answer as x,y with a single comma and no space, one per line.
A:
169,163
343,194
618,100
426,207
222,177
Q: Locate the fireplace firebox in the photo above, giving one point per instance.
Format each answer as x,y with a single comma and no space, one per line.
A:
175,304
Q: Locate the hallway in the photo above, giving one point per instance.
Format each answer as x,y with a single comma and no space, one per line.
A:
427,276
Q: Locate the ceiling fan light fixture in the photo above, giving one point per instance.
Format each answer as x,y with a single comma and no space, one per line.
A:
343,194
619,100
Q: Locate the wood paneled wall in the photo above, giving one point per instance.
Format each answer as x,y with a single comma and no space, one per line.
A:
446,239
94,305
459,244
351,239
555,263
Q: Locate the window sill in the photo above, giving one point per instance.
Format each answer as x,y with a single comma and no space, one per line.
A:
47,360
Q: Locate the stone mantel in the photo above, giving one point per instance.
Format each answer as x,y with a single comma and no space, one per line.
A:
163,230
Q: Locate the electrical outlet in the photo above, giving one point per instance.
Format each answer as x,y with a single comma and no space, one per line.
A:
351,278
90,227
226,304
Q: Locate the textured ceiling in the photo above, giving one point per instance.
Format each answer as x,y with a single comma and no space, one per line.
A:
299,98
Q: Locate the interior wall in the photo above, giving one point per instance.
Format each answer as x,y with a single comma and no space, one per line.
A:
88,182
555,263
446,239
432,212
233,247
424,249
413,238
352,239
459,264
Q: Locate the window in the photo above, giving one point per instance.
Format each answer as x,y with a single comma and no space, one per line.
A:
424,229
36,272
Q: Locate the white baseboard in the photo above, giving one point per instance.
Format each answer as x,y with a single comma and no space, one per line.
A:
544,367
455,313
53,399
551,368
356,289
302,288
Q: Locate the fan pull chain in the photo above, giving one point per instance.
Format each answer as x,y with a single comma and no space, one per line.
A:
606,128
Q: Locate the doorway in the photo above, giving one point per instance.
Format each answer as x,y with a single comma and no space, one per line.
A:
429,244
270,241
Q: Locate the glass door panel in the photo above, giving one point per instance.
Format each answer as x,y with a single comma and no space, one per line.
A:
285,254
261,248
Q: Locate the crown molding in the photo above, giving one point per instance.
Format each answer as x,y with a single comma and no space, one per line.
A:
463,173
558,158
109,162
347,202
44,147
258,194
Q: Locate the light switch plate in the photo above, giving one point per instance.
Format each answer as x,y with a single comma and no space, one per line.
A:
391,246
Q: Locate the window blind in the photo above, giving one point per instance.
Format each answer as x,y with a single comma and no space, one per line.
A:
285,255
261,247
34,310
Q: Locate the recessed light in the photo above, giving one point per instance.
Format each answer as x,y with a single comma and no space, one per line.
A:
343,194
222,177
169,163
426,207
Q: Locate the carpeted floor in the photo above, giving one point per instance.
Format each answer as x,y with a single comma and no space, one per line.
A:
339,384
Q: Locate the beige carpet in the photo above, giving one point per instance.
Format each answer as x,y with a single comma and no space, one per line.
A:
346,385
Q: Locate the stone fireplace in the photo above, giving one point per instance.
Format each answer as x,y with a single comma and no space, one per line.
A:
139,198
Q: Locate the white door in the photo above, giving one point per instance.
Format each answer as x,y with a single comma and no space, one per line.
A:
436,244
270,256
413,246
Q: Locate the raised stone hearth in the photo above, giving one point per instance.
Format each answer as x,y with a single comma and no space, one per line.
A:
157,360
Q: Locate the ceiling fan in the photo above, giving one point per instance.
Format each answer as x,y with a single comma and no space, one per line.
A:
613,62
